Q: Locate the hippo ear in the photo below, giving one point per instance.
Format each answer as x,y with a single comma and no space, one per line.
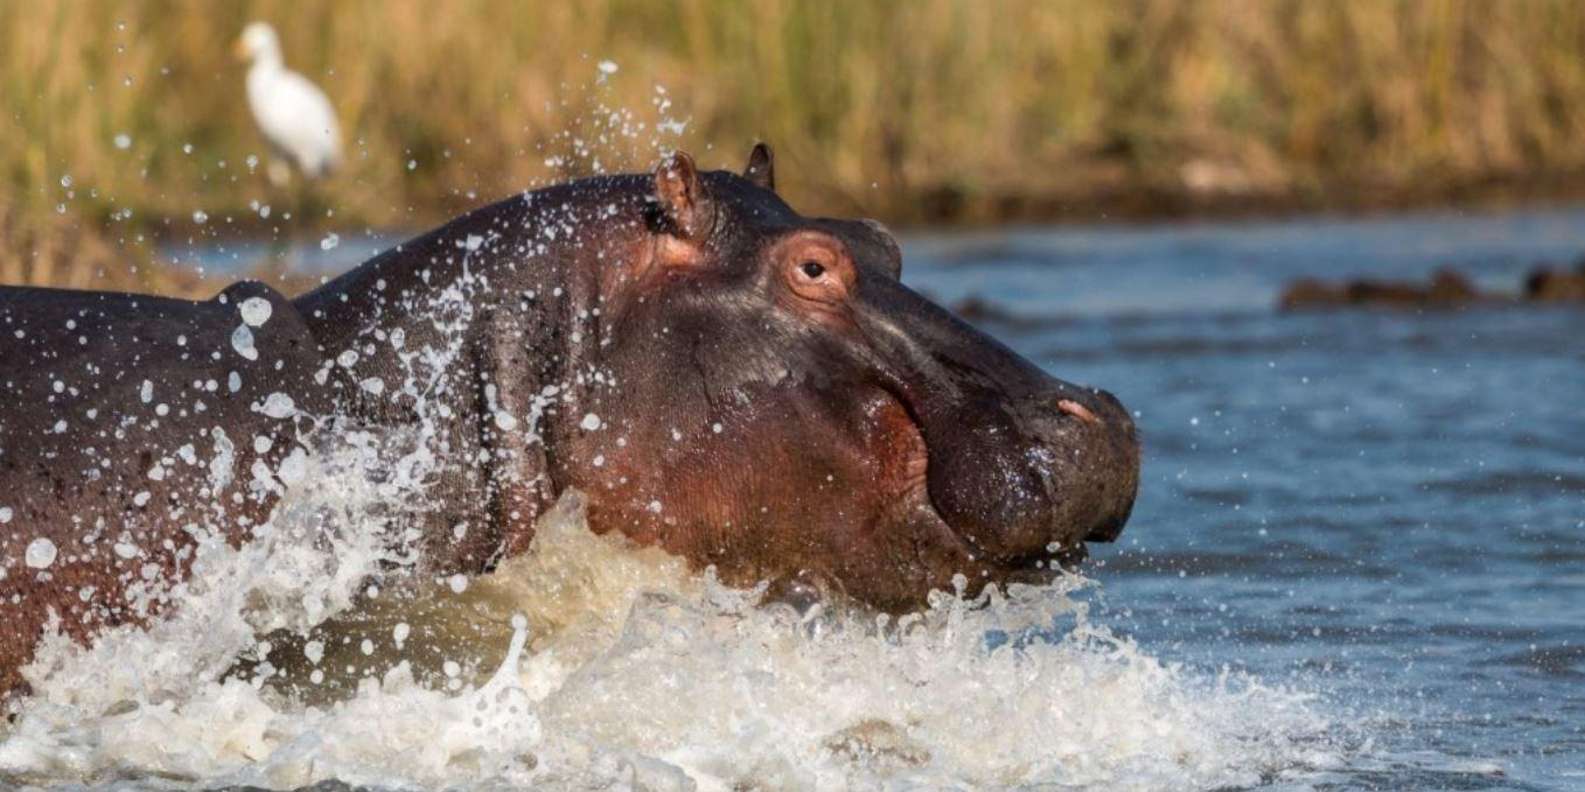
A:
761,167
681,198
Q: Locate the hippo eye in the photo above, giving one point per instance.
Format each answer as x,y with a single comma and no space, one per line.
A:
816,269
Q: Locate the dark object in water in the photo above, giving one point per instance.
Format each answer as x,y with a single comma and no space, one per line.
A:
1447,289
721,376
1546,285
980,310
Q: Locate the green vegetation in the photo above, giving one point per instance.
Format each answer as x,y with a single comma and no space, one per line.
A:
929,110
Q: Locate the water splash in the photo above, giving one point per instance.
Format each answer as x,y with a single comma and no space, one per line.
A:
589,662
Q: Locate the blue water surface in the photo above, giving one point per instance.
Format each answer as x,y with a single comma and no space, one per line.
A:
1385,507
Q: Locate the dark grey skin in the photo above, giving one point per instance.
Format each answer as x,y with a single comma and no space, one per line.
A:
721,376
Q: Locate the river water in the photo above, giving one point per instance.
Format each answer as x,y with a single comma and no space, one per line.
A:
1387,507
1357,562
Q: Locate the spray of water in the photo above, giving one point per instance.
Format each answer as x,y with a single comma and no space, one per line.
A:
589,662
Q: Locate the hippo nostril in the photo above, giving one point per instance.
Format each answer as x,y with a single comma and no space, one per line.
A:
1078,411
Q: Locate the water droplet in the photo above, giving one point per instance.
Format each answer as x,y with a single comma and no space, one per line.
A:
278,405
40,553
256,311
242,342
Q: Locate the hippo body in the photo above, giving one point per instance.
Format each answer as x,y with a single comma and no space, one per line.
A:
1556,286
721,376
1447,290
128,423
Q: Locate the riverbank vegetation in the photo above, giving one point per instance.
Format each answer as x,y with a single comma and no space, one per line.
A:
130,118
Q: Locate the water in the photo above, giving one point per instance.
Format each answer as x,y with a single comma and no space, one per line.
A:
1386,506
1357,562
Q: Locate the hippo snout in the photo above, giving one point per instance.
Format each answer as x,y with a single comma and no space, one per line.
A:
1040,475
1119,471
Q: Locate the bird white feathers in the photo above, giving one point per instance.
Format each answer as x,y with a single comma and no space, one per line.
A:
294,115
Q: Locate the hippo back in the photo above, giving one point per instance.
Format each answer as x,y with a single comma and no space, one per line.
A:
114,410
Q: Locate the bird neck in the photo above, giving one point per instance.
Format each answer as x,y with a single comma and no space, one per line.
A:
266,61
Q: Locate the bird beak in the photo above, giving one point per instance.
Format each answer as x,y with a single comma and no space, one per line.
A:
239,48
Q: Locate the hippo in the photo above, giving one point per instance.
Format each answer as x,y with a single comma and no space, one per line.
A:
1448,289
720,376
1548,285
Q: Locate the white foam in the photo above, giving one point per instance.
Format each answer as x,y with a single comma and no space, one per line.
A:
637,671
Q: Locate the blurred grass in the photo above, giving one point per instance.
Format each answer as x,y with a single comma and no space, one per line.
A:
911,111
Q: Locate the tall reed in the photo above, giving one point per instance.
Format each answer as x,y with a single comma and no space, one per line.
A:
882,107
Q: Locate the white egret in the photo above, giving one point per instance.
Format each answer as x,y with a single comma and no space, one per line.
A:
295,116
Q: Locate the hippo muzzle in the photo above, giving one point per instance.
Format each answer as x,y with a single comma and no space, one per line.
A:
1033,476
1021,466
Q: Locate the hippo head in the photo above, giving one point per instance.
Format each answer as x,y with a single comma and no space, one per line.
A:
780,405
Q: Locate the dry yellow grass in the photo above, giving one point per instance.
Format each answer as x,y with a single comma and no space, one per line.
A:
60,250
905,110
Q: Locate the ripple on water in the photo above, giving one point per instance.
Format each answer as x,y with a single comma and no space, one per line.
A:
1517,483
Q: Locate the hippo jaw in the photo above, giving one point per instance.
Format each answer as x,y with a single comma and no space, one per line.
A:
1043,501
